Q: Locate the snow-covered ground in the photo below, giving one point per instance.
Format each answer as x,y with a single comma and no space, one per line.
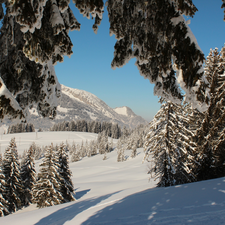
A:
113,193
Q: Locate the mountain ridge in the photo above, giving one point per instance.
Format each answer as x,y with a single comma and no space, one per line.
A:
78,104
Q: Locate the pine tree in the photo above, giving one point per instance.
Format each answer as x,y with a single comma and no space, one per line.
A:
4,205
120,150
168,143
46,191
37,85
28,175
105,156
1,160
11,171
75,156
154,32
94,148
101,142
210,137
134,145
66,185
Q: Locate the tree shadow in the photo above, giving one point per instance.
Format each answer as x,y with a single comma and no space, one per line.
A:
80,194
196,203
69,212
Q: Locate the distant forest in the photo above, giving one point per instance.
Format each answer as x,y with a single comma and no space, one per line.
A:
21,128
112,130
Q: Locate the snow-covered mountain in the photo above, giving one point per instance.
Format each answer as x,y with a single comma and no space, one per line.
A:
78,105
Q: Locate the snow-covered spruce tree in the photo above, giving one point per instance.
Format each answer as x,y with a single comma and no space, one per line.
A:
37,85
1,159
168,145
3,202
28,175
121,145
152,31
210,137
46,191
11,171
102,142
66,185
158,36
134,146
94,147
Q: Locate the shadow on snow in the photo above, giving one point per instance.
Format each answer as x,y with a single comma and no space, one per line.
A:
196,203
69,212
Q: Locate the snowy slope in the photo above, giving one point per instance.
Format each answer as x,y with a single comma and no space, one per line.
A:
113,193
77,104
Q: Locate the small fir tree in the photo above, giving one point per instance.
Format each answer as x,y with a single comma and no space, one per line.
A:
4,205
46,191
120,151
11,171
28,176
66,185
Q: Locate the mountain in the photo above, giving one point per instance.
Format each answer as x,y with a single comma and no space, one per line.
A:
81,105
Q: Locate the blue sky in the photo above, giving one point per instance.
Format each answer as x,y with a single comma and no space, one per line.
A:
89,68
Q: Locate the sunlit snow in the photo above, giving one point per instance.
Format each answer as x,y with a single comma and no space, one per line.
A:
113,193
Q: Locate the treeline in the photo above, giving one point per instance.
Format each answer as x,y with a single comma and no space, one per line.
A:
20,185
20,128
112,130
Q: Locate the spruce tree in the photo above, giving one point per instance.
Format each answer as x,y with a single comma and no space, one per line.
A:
66,185
168,143
120,150
154,32
11,171
37,85
28,175
46,191
210,137
4,205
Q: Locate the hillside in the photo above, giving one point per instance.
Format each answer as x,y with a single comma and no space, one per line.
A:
77,104
110,193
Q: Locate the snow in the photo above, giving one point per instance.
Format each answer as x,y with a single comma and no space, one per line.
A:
121,111
109,192
126,111
4,91
61,109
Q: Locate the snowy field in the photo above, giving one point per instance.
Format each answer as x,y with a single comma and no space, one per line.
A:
112,193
